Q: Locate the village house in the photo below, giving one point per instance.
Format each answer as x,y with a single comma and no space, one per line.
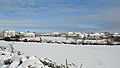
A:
1,35
27,34
63,34
95,36
69,34
45,35
116,35
55,34
9,33
79,35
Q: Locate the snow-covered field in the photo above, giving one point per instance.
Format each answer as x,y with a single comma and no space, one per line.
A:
89,56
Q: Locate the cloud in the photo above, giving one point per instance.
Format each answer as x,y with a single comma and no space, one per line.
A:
61,15
24,7
107,20
41,8
26,26
18,21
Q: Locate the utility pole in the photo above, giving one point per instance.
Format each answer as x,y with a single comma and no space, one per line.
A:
66,63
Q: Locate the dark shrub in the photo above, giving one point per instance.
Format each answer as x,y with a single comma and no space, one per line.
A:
8,61
7,39
25,40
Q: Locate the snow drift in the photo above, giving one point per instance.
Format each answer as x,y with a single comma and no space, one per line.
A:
10,58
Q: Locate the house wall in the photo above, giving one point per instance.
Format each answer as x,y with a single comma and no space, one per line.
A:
28,34
9,33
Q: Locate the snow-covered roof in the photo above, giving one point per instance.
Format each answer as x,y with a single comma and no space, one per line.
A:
56,33
70,33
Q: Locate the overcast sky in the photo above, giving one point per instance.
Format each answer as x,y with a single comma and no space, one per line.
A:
60,15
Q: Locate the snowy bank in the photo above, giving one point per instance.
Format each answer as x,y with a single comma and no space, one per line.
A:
10,58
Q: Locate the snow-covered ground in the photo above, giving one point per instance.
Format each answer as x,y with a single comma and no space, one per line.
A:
11,58
89,56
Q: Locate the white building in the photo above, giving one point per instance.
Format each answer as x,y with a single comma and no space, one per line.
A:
27,34
55,34
9,33
116,34
70,33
